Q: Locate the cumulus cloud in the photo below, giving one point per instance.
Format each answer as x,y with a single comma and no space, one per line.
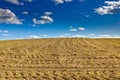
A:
91,35
45,35
110,7
78,35
16,2
76,29
8,17
81,28
48,13
73,29
108,36
4,31
67,35
102,36
44,19
61,1
34,36
25,12
5,35
29,0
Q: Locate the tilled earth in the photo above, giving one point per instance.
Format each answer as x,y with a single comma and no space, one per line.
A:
60,59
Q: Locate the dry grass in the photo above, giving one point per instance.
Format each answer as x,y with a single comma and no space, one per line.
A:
60,59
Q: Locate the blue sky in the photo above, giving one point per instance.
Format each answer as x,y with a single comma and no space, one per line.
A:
59,18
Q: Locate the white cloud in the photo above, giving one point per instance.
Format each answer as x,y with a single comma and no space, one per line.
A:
102,36
29,0
76,29
25,12
81,28
44,19
73,29
5,35
92,35
8,17
67,35
111,7
4,31
108,36
78,35
48,13
116,36
34,21
16,2
61,1
34,36
45,35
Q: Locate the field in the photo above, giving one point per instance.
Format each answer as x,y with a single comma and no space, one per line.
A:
60,59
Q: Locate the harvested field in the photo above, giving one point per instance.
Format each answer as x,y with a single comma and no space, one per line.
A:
60,59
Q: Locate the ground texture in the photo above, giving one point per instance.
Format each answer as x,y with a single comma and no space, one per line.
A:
60,59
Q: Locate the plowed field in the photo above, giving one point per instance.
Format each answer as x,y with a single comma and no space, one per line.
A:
60,59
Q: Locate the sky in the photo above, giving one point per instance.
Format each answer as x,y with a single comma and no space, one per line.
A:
22,19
